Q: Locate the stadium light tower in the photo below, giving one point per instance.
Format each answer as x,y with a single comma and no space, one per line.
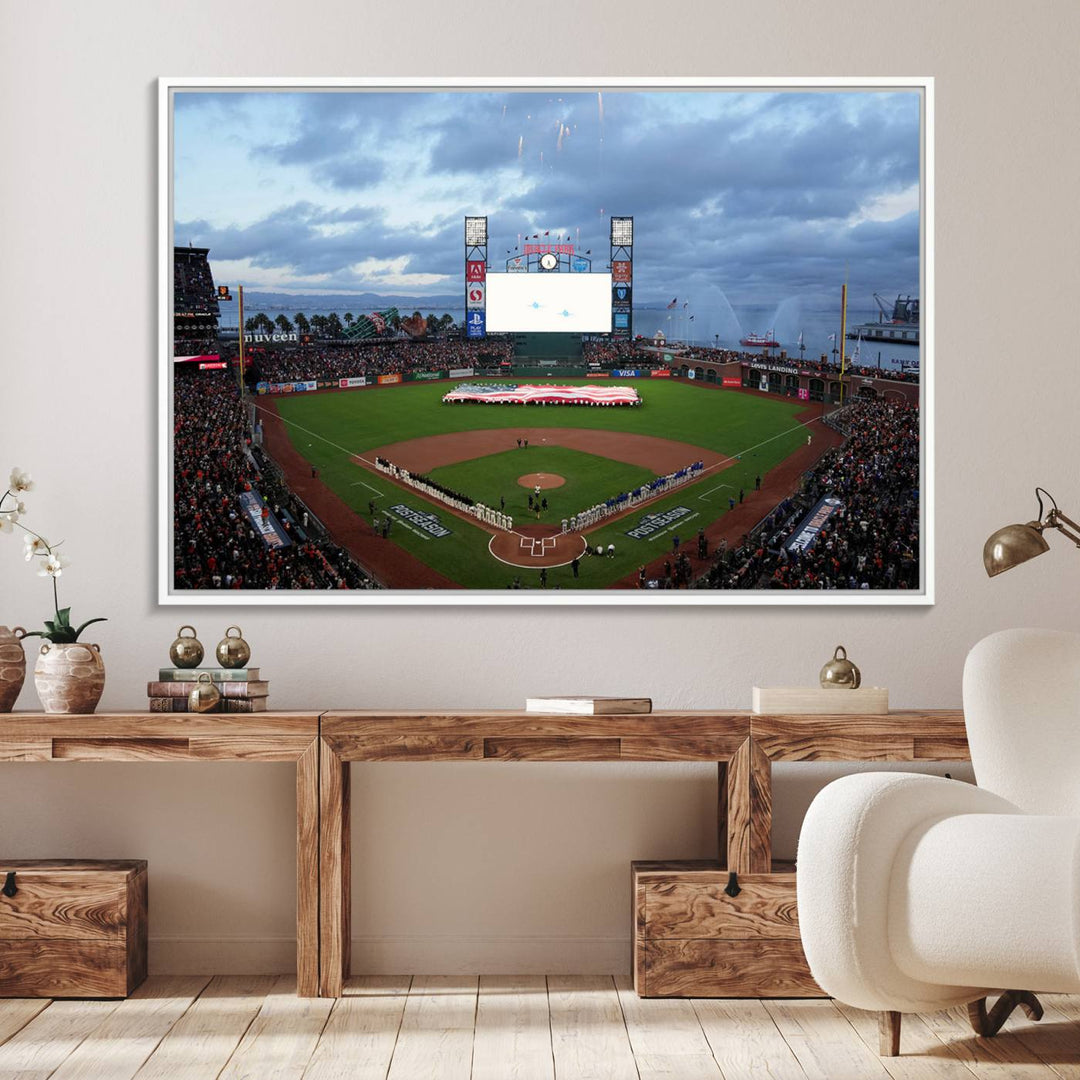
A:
622,277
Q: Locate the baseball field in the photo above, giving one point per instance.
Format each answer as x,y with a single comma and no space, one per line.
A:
327,442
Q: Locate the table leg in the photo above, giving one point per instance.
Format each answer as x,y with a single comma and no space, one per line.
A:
722,813
749,810
307,871
334,872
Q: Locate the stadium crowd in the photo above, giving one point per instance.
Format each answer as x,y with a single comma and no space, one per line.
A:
326,360
214,542
871,541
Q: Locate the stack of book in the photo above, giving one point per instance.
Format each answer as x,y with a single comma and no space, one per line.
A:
241,689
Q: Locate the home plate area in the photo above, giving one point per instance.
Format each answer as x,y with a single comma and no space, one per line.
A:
536,546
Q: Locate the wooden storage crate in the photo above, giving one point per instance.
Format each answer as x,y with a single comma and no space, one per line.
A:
72,928
691,939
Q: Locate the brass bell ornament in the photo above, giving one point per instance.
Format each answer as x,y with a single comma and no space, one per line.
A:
840,673
204,695
233,652
186,651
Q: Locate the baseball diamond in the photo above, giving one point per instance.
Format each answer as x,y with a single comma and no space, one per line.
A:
582,460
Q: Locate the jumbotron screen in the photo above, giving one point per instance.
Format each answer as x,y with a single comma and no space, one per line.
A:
543,303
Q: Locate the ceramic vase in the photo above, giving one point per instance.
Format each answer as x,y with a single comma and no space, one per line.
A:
69,678
12,666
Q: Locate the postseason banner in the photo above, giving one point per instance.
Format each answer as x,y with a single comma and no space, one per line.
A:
805,536
266,525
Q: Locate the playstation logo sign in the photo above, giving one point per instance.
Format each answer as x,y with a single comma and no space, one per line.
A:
474,324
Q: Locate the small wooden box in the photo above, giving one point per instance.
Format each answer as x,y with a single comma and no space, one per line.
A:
691,939
818,701
72,928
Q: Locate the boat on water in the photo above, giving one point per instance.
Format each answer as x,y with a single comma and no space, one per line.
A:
761,341
898,327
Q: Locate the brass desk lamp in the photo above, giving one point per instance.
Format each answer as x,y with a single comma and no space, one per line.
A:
1014,544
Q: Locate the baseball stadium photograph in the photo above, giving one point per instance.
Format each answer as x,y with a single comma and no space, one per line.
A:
545,343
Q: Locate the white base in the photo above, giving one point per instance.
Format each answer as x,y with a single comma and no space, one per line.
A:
435,954
817,701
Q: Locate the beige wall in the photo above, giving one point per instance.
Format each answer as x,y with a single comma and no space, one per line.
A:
494,867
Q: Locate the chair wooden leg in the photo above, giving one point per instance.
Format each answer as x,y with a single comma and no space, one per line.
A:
988,1024
889,1033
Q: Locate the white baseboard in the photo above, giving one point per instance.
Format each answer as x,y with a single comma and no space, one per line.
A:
430,954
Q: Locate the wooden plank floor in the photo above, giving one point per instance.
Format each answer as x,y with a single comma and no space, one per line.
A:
524,1027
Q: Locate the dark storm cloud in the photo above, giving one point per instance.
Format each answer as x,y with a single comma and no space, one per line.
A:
763,191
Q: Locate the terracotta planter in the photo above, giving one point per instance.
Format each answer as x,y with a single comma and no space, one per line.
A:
12,666
69,678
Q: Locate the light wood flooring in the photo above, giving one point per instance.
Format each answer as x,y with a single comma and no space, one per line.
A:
245,1027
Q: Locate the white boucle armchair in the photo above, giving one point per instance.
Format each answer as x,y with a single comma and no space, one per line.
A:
918,893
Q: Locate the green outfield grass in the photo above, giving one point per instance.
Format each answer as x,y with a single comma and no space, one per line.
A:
328,429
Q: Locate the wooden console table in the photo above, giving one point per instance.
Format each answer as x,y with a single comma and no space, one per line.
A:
743,745
260,737
322,745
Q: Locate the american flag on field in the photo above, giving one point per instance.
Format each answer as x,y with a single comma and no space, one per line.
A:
511,394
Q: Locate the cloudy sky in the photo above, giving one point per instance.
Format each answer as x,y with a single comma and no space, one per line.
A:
767,195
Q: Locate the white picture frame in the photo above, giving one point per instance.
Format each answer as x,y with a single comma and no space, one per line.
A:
168,594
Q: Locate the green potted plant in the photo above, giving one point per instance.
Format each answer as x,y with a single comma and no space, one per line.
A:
69,674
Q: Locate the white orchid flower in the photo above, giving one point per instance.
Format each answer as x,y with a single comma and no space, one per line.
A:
7,520
34,545
54,565
20,480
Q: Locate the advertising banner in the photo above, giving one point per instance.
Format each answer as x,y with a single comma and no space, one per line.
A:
212,365
731,380
621,320
660,373
690,374
668,357
348,384
626,373
909,367
598,375
475,323
763,382
578,265
309,384
804,393
262,388
474,270
620,293
422,376
459,373
621,270
803,538
263,520
474,295
783,369
516,265
389,380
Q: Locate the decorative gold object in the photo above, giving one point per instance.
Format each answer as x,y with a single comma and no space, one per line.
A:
69,677
1015,544
840,673
186,652
233,652
204,695
12,666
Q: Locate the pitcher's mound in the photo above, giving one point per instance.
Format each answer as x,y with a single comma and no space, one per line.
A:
542,480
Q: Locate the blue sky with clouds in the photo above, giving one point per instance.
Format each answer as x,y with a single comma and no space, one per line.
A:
765,194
